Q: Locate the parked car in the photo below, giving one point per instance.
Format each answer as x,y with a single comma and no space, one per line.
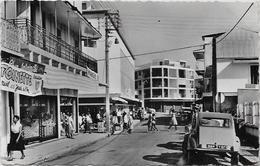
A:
211,132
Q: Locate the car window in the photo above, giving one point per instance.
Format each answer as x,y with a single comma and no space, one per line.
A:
215,122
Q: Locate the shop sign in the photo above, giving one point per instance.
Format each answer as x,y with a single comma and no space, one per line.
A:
22,63
18,80
92,74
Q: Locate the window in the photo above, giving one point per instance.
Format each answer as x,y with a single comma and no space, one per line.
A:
55,63
63,66
173,73
165,92
182,73
84,6
165,82
45,60
173,83
90,43
156,72
157,82
173,93
35,57
147,83
146,73
147,93
157,93
254,74
165,72
71,69
215,122
182,93
78,71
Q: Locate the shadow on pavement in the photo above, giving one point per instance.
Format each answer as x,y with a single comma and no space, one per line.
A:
165,158
172,145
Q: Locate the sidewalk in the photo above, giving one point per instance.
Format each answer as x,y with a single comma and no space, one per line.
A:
249,155
52,149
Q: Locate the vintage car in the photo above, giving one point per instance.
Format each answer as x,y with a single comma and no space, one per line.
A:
211,132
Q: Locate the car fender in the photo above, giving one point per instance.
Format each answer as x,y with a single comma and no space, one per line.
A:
237,144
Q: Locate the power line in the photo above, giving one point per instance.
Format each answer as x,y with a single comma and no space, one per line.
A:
236,23
156,52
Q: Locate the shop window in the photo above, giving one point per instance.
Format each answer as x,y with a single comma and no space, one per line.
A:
147,93
78,71
254,74
172,72
156,72
157,93
55,63
165,72
157,82
45,60
63,66
71,69
35,57
38,117
182,73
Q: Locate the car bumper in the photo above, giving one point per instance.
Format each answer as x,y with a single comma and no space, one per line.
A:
213,150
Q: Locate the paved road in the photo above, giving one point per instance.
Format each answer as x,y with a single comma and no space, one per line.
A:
139,148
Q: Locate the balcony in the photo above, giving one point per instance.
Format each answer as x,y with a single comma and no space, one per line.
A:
39,37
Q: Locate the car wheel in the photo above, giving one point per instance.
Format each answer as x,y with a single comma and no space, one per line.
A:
234,158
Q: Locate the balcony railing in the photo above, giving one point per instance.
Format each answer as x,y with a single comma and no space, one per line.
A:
10,36
39,37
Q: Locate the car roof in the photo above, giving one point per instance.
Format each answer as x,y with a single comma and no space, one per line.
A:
215,115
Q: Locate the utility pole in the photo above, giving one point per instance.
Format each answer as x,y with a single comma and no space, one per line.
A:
214,74
142,86
107,75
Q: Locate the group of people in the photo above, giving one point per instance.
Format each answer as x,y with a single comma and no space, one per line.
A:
128,122
68,124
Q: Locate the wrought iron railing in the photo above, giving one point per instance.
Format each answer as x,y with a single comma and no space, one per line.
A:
39,37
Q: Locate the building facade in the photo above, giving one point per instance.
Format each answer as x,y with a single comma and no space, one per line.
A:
163,84
237,70
42,66
121,62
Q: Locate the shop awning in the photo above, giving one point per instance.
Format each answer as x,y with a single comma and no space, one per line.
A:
119,99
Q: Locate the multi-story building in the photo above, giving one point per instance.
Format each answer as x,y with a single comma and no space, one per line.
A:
121,61
163,84
42,66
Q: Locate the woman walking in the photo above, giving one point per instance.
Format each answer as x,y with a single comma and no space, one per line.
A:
71,126
16,140
131,124
173,121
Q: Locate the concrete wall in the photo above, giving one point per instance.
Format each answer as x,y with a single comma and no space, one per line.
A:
248,95
232,76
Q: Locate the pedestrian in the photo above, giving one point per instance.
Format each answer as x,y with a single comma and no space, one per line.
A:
149,123
70,126
16,140
66,125
88,123
125,121
173,121
130,124
153,122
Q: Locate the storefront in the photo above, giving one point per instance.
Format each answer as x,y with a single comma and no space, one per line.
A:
38,117
21,82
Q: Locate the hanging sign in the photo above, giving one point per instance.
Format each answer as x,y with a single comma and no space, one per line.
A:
20,81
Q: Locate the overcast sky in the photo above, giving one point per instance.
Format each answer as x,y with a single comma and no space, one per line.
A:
155,26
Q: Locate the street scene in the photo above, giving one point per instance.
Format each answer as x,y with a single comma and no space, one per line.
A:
102,82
